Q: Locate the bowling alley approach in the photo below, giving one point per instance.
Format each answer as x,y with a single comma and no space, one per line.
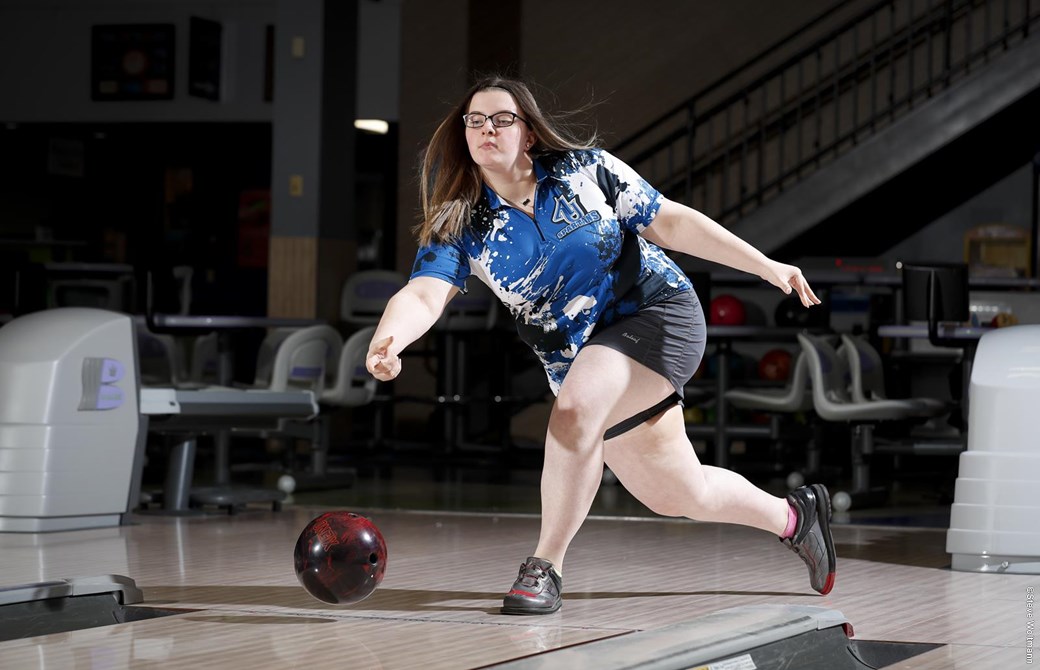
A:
394,334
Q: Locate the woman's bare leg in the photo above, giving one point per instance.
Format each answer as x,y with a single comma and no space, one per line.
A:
602,388
657,464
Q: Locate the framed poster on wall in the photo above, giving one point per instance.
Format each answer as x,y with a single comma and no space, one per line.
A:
132,62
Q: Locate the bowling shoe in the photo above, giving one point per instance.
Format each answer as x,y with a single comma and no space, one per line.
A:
812,539
538,589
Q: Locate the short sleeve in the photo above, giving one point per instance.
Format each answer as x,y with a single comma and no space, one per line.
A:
635,201
443,260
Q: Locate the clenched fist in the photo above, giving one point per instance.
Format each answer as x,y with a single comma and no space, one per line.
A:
383,365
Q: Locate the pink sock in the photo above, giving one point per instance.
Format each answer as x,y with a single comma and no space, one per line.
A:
792,522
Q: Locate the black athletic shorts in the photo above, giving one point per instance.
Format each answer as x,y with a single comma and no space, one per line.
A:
667,337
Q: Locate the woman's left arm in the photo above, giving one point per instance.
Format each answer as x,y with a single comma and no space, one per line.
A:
680,228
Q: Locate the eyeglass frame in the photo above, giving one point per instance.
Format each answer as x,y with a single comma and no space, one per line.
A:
491,117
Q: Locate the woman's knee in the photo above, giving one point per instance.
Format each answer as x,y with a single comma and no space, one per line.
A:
575,423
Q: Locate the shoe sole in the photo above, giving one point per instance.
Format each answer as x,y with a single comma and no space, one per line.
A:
529,611
821,493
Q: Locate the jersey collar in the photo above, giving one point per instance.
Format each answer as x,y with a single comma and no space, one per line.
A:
495,202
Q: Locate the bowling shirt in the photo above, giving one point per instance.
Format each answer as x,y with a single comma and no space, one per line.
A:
579,264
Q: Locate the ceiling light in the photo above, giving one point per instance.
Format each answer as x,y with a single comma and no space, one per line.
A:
377,126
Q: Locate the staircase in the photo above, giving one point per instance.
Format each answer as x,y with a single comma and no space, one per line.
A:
859,129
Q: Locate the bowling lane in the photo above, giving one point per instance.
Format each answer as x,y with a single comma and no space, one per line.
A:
438,604
249,639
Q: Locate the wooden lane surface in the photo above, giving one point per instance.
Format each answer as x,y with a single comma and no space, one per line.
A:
438,605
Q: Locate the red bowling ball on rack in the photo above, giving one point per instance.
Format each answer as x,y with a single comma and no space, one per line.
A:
340,558
727,310
775,365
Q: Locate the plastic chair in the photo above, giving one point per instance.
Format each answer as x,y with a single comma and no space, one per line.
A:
353,386
204,366
832,401
365,294
868,377
794,397
287,356
299,363
159,359
475,311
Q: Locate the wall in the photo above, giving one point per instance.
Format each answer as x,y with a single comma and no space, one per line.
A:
1007,201
45,52
45,47
433,74
638,60
632,61
379,59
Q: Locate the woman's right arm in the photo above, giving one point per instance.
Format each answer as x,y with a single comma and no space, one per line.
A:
409,314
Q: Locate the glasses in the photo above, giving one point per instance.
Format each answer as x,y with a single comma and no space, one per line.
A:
498,119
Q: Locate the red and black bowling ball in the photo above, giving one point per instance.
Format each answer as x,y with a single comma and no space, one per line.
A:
340,558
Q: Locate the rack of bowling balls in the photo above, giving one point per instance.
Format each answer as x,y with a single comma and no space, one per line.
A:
729,310
773,367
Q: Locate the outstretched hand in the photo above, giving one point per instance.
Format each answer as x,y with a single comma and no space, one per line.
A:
789,278
383,365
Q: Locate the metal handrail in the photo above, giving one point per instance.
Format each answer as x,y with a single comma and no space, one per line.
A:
728,151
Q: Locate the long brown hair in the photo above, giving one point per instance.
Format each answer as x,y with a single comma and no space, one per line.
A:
450,182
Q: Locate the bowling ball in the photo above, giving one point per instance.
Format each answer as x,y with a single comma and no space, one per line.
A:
1003,320
775,365
727,310
790,313
340,558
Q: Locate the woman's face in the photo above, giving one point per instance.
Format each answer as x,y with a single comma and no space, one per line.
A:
495,148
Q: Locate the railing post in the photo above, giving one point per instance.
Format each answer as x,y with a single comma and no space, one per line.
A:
947,44
759,187
691,135
742,194
910,54
892,61
1034,255
819,110
873,72
781,132
724,182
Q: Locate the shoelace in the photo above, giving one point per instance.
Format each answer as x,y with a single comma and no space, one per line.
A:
531,574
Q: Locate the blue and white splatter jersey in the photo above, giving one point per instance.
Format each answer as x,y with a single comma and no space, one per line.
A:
580,264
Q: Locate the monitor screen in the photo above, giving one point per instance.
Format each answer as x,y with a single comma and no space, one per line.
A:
951,291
